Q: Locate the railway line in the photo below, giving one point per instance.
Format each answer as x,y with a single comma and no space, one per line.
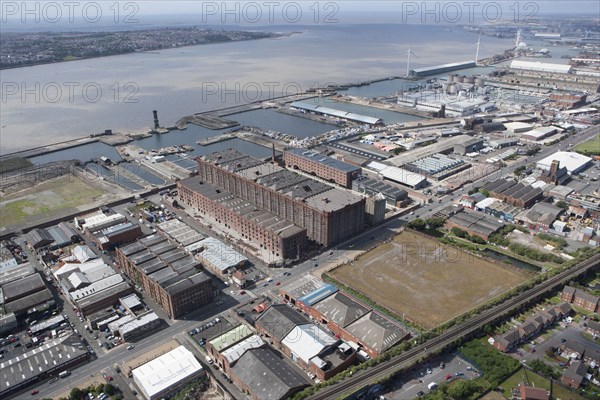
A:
453,334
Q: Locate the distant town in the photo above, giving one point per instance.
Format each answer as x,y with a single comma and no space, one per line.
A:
23,49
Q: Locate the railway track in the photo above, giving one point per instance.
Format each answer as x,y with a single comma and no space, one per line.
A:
453,334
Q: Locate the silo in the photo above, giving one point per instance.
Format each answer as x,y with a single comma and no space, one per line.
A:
451,77
470,80
459,79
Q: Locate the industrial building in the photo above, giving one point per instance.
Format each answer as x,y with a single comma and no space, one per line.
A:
166,374
540,216
169,275
22,290
264,374
277,321
92,285
282,238
440,69
329,215
474,223
539,133
217,257
228,347
469,146
313,108
574,162
54,356
180,232
437,166
133,327
325,167
399,175
539,66
375,209
516,194
394,196
300,287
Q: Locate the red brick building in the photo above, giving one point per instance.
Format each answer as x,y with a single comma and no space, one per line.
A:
279,236
531,393
330,169
581,299
329,215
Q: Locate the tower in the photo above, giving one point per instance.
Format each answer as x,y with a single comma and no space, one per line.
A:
156,124
477,52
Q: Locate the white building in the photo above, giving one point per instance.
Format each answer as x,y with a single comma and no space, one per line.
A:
574,162
167,373
539,66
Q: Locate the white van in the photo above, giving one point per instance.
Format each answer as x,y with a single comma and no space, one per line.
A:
432,386
363,356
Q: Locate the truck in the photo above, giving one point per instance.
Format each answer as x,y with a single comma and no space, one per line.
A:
64,374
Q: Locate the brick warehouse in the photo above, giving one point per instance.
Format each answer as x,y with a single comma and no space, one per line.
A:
322,166
328,214
170,276
281,237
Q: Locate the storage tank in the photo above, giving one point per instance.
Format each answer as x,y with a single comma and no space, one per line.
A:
459,79
480,82
453,89
470,80
451,77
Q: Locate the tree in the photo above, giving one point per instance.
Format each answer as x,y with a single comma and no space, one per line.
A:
417,224
435,222
109,389
463,389
562,204
484,192
459,232
519,170
76,394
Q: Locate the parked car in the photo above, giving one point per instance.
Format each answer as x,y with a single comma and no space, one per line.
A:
34,392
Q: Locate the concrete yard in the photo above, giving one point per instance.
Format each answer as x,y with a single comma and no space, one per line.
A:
426,281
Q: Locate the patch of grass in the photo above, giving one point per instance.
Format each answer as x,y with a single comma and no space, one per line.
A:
63,193
589,148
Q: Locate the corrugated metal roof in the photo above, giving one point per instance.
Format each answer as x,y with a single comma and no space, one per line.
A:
335,113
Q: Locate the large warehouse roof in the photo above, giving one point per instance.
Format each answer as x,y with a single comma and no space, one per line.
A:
574,162
322,159
307,341
165,371
335,113
540,66
396,174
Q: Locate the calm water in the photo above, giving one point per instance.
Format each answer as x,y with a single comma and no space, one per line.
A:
276,121
176,82
511,260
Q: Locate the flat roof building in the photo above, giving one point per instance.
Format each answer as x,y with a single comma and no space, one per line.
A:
167,374
393,195
317,109
539,66
574,162
218,257
399,175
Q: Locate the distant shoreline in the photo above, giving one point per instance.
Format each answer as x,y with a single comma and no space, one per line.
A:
272,35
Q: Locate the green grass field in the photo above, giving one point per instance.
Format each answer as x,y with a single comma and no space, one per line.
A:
67,193
589,148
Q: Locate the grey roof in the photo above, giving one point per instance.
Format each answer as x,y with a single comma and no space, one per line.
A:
267,374
53,356
576,372
303,285
322,159
341,309
27,302
377,331
477,222
59,237
38,237
27,284
280,319
22,270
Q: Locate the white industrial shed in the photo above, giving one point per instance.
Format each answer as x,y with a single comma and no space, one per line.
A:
574,162
159,377
540,66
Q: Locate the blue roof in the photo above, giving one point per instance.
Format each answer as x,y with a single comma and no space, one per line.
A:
318,294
